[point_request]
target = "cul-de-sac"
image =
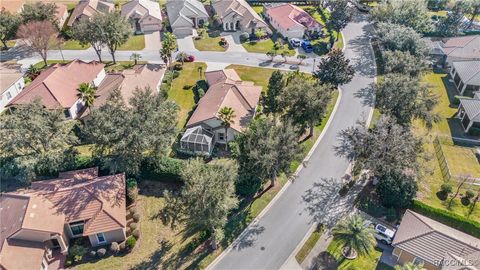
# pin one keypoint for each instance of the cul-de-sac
(240, 134)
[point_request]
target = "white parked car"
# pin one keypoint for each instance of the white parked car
(384, 234)
(295, 42)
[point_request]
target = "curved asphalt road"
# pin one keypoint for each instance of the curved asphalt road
(269, 242)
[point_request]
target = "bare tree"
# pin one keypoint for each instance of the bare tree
(40, 36)
(462, 182)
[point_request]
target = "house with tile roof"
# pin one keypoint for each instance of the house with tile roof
(469, 112)
(11, 84)
(420, 239)
(14, 7)
(144, 15)
(40, 221)
(291, 21)
(86, 9)
(465, 48)
(466, 76)
(56, 87)
(226, 89)
(238, 15)
(186, 15)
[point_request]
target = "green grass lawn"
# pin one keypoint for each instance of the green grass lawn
(308, 246)
(259, 76)
(73, 44)
(258, 9)
(134, 43)
(109, 66)
(185, 98)
(265, 46)
(207, 43)
(366, 262)
(439, 13)
(11, 43)
(460, 159)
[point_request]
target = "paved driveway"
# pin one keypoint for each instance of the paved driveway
(152, 41)
(234, 44)
(185, 44)
(313, 197)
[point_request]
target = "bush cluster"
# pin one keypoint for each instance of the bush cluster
(162, 169)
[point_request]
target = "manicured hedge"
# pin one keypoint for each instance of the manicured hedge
(448, 218)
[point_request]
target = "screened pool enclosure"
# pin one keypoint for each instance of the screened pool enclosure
(197, 141)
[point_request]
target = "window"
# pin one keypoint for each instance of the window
(77, 228)
(101, 238)
(221, 136)
(418, 261)
(19, 86)
(9, 96)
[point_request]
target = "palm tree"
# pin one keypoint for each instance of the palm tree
(301, 57)
(410, 266)
(226, 115)
(181, 56)
(86, 93)
(355, 236)
(32, 72)
(135, 57)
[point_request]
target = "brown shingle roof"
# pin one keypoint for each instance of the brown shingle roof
(288, 15)
(431, 240)
(89, 8)
(57, 86)
(227, 90)
(100, 200)
(467, 47)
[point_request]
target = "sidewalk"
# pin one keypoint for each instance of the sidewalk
(320, 246)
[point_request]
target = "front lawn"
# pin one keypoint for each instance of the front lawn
(121, 65)
(259, 76)
(308, 246)
(134, 43)
(461, 160)
(182, 92)
(73, 44)
(369, 261)
(208, 43)
(264, 46)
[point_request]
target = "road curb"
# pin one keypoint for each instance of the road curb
(284, 188)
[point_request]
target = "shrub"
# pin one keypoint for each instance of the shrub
(448, 218)
(136, 217)
(177, 67)
(133, 211)
(133, 226)
(162, 169)
(132, 194)
(101, 252)
(136, 233)
(131, 242)
(77, 252)
(131, 183)
(391, 215)
(469, 194)
(68, 262)
(93, 254)
(446, 188)
(114, 247)
(244, 36)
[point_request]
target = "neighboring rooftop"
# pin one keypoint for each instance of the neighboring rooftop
(226, 90)
(469, 71)
(9, 77)
(57, 86)
(180, 10)
(12, 6)
(288, 15)
(431, 240)
(89, 8)
(472, 107)
(152, 8)
(467, 47)
(250, 18)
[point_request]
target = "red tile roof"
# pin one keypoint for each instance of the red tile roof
(288, 15)
(57, 86)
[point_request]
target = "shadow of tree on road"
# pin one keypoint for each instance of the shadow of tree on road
(367, 95)
(249, 237)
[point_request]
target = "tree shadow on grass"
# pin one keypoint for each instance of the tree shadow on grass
(324, 261)
(155, 259)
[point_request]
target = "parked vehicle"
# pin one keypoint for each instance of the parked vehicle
(307, 47)
(384, 234)
(295, 42)
(189, 58)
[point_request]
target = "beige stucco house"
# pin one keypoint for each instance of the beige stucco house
(39, 222)
(422, 240)
(238, 15)
(144, 15)
(11, 84)
(86, 9)
(186, 15)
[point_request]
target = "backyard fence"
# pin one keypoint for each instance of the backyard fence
(444, 167)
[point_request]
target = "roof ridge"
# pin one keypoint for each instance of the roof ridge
(243, 97)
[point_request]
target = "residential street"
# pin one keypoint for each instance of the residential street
(268, 243)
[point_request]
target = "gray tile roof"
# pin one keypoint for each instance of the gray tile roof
(432, 241)
(469, 71)
(472, 108)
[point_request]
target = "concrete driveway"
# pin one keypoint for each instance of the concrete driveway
(233, 39)
(185, 44)
(153, 41)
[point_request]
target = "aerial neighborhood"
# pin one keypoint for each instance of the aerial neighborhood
(240, 134)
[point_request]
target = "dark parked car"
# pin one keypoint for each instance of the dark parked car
(307, 47)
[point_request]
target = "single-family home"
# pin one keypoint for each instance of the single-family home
(186, 15)
(469, 112)
(14, 7)
(86, 9)
(455, 49)
(127, 81)
(11, 84)
(420, 239)
(144, 15)
(291, 21)
(204, 128)
(37, 224)
(61, 14)
(56, 87)
(466, 76)
(238, 15)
